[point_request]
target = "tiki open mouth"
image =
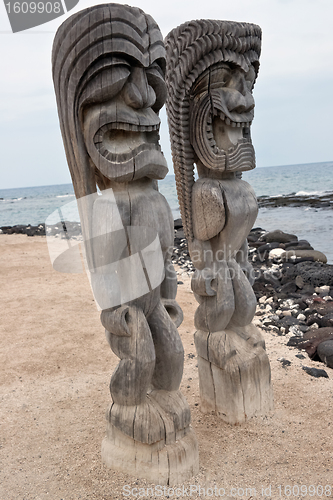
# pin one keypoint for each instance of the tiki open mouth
(225, 134)
(120, 142)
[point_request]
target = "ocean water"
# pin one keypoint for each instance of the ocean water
(34, 204)
(312, 224)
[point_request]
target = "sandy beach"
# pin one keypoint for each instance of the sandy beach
(55, 370)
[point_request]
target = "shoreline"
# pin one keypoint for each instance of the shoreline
(324, 200)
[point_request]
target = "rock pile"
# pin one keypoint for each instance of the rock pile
(324, 200)
(24, 229)
(293, 285)
(72, 228)
(181, 255)
(294, 288)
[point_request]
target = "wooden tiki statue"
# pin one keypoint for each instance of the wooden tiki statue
(108, 71)
(211, 70)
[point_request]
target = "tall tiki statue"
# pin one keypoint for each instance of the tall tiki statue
(108, 71)
(211, 70)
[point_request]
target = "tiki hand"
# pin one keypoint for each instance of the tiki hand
(204, 283)
(201, 253)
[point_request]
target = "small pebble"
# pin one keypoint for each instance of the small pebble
(285, 362)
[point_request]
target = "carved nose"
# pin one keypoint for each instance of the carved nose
(239, 98)
(137, 92)
(238, 102)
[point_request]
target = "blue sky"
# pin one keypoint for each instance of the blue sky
(293, 93)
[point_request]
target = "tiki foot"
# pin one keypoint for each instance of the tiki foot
(153, 440)
(234, 374)
(159, 463)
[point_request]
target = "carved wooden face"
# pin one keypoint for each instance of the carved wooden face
(123, 121)
(221, 116)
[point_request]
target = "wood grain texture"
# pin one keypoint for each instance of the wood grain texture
(108, 70)
(234, 374)
(164, 465)
(211, 70)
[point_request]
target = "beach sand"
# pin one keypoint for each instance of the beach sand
(55, 370)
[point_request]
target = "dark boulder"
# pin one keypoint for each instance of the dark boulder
(315, 372)
(312, 273)
(327, 320)
(320, 306)
(278, 236)
(177, 224)
(288, 321)
(313, 338)
(297, 244)
(289, 287)
(325, 352)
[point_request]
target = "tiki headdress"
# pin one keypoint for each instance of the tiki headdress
(199, 53)
(93, 53)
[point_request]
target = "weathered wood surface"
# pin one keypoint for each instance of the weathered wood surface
(172, 464)
(108, 70)
(211, 70)
(234, 373)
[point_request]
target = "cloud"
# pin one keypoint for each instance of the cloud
(292, 92)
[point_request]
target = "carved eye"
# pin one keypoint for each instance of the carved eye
(108, 82)
(214, 78)
(156, 81)
(250, 77)
(220, 77)
(201, 86)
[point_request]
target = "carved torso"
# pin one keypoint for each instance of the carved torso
(218, 207)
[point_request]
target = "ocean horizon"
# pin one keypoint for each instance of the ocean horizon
(32, 205)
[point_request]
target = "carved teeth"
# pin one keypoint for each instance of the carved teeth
(228, 121)
(128, 127)
(132, 127)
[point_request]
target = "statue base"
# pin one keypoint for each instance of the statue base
(159, 463)
(234, 374)
(152, 441)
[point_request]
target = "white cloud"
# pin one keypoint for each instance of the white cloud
(293, 94)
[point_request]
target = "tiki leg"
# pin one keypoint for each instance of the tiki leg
(134, 346)
(169, 350)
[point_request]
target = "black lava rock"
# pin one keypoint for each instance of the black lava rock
(326, 320)
(325, 352)
(177, 224)
(315, 372)
(312, 273)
